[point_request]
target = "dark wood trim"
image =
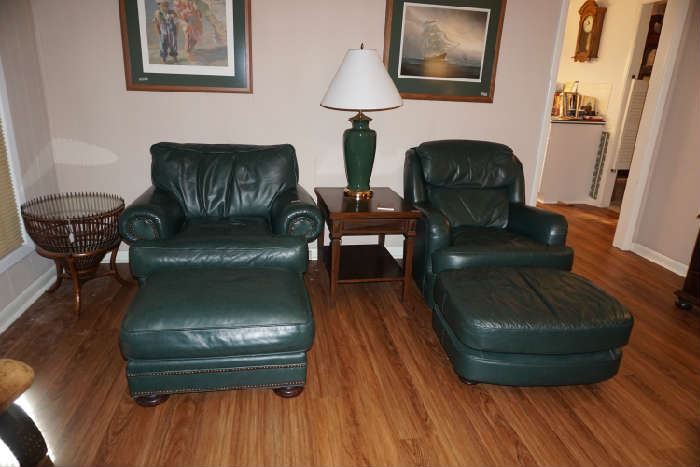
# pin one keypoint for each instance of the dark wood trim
(389, 11)
(689, 295)
(131, 86)
(388, 14)
(497, 50)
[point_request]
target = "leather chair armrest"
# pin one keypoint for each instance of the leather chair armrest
(547, 228)
(294, 212)
(436, 227)
(155, 215)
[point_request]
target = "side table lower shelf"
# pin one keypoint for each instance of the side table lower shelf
(364, 263)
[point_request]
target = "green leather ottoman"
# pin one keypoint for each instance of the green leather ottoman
(193, 330)
(528, 326)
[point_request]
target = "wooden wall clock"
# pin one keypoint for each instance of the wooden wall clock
(590, 26)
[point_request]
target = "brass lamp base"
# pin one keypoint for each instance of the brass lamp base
(357, 195)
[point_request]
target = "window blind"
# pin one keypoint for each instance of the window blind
(10, 230)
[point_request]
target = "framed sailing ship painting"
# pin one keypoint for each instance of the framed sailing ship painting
(443, 50)
(186, 45)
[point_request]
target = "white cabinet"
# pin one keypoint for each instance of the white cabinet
(570, 162)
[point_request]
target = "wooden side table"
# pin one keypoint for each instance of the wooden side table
(386, 213)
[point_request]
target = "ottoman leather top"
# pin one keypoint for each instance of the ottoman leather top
(530, 310)
(195, 313)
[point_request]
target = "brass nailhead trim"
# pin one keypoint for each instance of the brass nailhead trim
(219, 370)
(220, 388)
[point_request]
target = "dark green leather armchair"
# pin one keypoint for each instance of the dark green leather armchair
(221, 205)
(472, 197)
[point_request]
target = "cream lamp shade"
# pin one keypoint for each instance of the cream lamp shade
(361, 83)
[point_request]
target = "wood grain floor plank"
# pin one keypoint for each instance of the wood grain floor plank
(380, 389)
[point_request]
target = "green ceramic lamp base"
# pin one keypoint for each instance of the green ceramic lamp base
(359, 145)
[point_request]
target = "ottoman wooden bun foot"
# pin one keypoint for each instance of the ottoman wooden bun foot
(288, 392)
(151, 400)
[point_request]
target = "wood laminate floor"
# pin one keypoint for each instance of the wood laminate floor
(380, 388)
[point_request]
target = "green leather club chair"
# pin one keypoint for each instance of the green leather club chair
(221, 205)
(219, 246)
(471, 194)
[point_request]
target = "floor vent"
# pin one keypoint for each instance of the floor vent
(599, 163)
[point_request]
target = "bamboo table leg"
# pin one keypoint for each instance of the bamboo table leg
(66, 267)
(76, 283)
(59, 277)
(113, 266)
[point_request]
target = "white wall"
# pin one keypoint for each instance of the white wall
(27, 109)
(605, 77)
(101, 133)
(668, 225)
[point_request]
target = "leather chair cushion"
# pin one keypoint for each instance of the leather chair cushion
(530, 310)
(223, 229)
(203, 313)
(207, 245)
(467, 163)
(222, 180)
(476, 247)
(486, 207)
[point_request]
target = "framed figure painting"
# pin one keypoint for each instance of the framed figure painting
(443, 49)
(186, 45)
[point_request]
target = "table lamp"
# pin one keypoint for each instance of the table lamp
(360, 84)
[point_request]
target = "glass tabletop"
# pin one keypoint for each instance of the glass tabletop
(64, 206)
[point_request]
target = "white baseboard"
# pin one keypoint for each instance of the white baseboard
(122, 257)
(588, 201)
(395, 251)
(655, 257)
(25, 299)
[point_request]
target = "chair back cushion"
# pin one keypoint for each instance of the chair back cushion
(471, 182)
(224, 180)
(472, 207)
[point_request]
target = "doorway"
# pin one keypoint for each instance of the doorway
(647, 43)
(597, 105)
(623, 46)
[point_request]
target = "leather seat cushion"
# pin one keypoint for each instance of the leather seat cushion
(202, 313)
(224, 228)
(479, 246)
(217, 250)
(530, 310)
(487, 207)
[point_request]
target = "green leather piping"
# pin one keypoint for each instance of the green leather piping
(219, 388)
(226, 247)
(219, 328)
(219, 370)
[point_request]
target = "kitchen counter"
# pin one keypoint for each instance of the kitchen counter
(570, 162)
(578, 121)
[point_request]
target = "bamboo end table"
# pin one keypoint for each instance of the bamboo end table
(76, 231)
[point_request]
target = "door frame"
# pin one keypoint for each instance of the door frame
(676, 23)
(670, 43)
